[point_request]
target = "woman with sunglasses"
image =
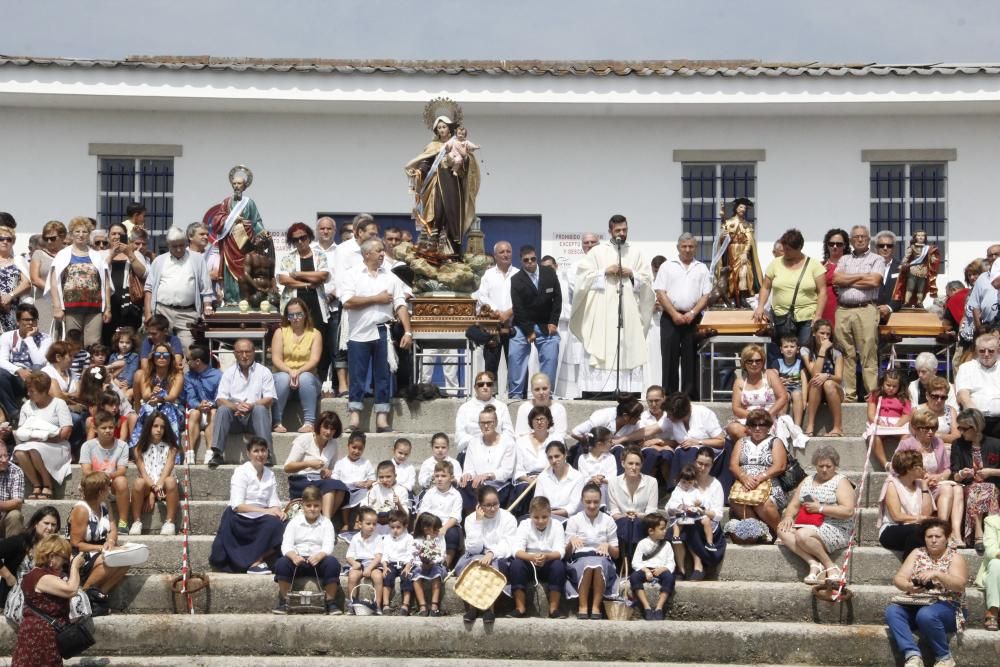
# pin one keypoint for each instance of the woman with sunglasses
(975, 464)
(834, 245)
(124, 263)
(14, 281)
(756, 387)
(53, 239)
(160, 390)
(467, 417)
(938, 392)
(757, 458)
(304, 273)
(295, 353)
(937, 469)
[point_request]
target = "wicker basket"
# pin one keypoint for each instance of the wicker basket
(480, 585)
(618, 610)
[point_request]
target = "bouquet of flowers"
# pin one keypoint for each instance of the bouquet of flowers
(428, 552)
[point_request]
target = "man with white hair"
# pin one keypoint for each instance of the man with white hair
(178, 286)
(978, 382)
(494, 291)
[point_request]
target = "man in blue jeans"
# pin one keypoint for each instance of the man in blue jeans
(536, 299)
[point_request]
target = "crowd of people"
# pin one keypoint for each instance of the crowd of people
(636, 490)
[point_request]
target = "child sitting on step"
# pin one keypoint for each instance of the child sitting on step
(445, 502)
(395, 551)
(307, 551)
(386, 496)
(653, 561)
(363, 557)
(356, 473)
(439, 452)
(155, 453)
(427, 563)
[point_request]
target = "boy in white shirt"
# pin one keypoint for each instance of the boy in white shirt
(396, 551)
(406, 474)
(653, 560)
(307, 548)
(439, 452)
(445, 502)
(387, 496)
(356, 473)
(538, 550)
(363, 557)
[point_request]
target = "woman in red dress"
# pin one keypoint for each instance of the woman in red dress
(45, 590)
(834, 244)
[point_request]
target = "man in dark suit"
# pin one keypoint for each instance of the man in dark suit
(885, 246)
(536, 299)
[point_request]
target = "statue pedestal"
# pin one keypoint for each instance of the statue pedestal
(913, 322)
(736, 322)
(228, 326)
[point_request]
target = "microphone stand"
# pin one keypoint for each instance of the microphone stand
(621, 323)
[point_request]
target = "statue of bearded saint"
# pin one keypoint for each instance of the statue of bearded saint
(735, 264)
(233, 227)
(917, 272)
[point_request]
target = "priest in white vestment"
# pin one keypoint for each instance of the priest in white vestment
(594, 319)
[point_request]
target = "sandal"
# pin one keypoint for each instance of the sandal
(46, 493)
(815, 570)
(36, 493)
(835, 434)
(834, 574)
(990, 622)
(809, 434)
(279, 428)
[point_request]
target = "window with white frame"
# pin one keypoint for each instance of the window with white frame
(148, 180)
(706, 187)
(908, 197)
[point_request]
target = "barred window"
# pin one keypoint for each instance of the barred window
(909, 197)
(706, 187)
(150, 181)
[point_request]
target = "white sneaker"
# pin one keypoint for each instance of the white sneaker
(168, 528)
(136, 528)
(190, 458)
(945, 662)
(914, 661)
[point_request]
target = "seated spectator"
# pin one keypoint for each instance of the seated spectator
(631, 496)
(295, 352)
(541, 397)
(439, 452)
(251, 529)
(80, 355)
(652, 431)
(467, 417)
(621, 421)
(819, 517)
(932, 567)
(17, 551)
(653, 560)
(363, 558)
(11, 495)
(357, 475)
(904, 503)
(91, 533)
(60, 360)
(692, 536)
(489, 461)
(307, 544)
(759, 458)
(529, 455)
(889, 413)
(591, 547)
(155, 453)
(386, 496)
(988, 577)
(561, 483)
(110, 402)
(396, 553)
(937, 472)
(22, 350)
(539, 545)
(938, 391)
(756, 387)
(427, 560)
(201, 387)
(106, 453)
(975, 464)
(243, 401)
(43, 452)
(825, 371)
(124, 359)
(406, 474)
(161, 390)
(978, 383)
(311, 460)
(158, 332)
(926, 366)
(490, 537)
(445, 502)
(599, 466)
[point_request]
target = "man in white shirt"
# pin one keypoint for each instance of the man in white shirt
(21, 351)
(978, 382)
(372, 295)
(178, 287)
(682, 287)
(494, 291)
(347, 257)
(243, 402)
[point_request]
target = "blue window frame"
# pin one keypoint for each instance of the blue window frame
(705, 188)
(908, 197)
(121, 181)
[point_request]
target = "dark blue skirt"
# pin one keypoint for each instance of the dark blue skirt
(298, 483)
(241, 541)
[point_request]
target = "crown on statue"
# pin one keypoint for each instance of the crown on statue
(442, 106)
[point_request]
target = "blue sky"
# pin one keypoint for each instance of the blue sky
(888, 31)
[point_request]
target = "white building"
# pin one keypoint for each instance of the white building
(566, 144)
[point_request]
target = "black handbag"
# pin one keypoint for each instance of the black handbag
(793, 475)
(71, 638)
(785, 325)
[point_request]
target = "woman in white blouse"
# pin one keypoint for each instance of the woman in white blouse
(311, 459)
(467, 417)
(252, 526)
(561, 483)
(489, 538)
(529, 455)
(489, 461)
(631, 496)
(591, 547)
(692, 536)
(541, 397)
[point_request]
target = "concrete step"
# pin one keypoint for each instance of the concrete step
(690, 642)
(692, 601)
(368, 661)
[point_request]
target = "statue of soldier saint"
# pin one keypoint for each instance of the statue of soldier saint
(233, 227)
(444, 188)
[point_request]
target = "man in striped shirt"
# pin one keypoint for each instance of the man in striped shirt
(858, 278)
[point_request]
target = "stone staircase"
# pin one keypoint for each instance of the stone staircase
(772, 617)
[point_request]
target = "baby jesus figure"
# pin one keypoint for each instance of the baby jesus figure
(458, 149)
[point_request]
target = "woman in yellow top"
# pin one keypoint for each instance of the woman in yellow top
(780, 279)
(295, 351)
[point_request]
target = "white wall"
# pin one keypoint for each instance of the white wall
(574, 171)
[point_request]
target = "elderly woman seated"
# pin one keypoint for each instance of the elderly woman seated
(988, 577)
(819, 517)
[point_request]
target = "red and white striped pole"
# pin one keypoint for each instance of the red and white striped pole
(186, 525)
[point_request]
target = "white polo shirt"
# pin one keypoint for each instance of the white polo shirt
(683, 283)
(982, 383)
(363, 325)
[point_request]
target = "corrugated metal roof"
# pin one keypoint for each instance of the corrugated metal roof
(581, 68)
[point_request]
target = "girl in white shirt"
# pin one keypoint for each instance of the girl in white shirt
(427, 563)
(598, 465)
(631, 496)
(653, 561)
(406, 475)
(489, 538)
(311, 462)
(307, 548)
(561, 483)
(251, 529)
(356, 473)
(591, 546)
(439, 452)
(538, 551)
